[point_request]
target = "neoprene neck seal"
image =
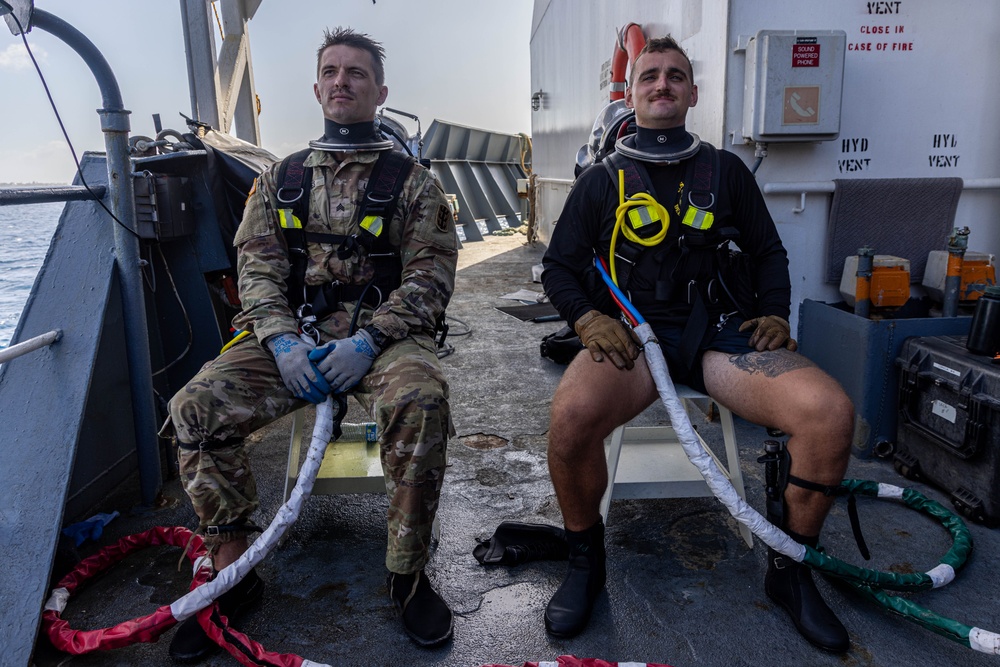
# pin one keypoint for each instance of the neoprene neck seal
(351, 137)
(659, 146)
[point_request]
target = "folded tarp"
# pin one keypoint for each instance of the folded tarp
(903, 217)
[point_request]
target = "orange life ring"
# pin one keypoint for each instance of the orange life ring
(627, 47)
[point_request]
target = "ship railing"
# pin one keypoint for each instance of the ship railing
(47, 194)
(30, 345)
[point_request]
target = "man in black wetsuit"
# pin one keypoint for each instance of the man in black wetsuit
(740, 352)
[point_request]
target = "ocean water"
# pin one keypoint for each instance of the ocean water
(25, 232)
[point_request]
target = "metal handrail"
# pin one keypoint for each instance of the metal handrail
(44, 195)
(829, 187)
(30, 345)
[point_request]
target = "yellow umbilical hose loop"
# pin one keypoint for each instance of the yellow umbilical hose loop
(642, 199)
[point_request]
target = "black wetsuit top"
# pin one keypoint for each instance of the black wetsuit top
(587, 221)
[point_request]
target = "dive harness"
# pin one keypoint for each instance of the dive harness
(313, 302)
(310, 303)
(643, 222)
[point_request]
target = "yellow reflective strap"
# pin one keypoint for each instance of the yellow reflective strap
(642, 216)
(698, 218)
(288, 220)
(372, 224)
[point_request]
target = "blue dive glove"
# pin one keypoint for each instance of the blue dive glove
(344, 362)
(299, 374)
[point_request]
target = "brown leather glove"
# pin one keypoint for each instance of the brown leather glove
(770, 333)
(605, 335)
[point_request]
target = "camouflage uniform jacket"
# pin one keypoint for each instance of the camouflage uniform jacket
(422, 229)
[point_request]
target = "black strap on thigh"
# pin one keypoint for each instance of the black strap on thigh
(209, 445)
(852, 508)
(777, 464)
(245, 527)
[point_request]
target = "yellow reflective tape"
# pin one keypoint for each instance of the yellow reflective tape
(642, 216)
(698, 218)
(288, 220)
(373, 224)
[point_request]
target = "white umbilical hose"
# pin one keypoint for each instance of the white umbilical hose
(714, 477)
(204, 595)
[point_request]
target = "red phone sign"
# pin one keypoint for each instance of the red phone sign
(805, 55)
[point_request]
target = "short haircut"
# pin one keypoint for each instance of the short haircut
(357, 40)
(659, 45)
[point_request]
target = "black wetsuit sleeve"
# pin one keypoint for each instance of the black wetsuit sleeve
(758, 238)
(585, 223)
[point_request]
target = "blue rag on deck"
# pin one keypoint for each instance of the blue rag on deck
(91, 528)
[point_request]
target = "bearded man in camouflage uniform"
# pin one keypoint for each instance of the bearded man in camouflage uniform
(389, 364)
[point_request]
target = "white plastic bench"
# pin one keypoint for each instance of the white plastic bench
(649, 462)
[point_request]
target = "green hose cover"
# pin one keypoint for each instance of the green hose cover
(922, 616)
(896, 581)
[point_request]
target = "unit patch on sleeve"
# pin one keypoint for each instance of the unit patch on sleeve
(253, 189)
(444, 215)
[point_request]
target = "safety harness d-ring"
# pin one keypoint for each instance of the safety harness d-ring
(144, 629)
(279, 195)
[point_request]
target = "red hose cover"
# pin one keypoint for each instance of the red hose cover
(573, 661)
(245, 650)
(145, 629)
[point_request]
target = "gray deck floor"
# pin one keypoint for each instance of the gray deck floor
(683, 588)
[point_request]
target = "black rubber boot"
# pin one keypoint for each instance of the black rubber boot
(514, 543)
(190, 644)
(790, 585)
(569, 609)
(426, 617)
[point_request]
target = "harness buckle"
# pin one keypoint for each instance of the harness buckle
(307, 319)
(723, 318)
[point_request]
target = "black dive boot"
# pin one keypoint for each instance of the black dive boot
(569, 609)
(426, 617)
(190, 644)
(790, 585)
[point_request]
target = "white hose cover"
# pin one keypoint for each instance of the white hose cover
(201, 597)
(941, 575)
(984, 641)
(57, 600)
(890, 491)
(716, 479)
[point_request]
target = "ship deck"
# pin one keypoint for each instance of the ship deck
(683, 588)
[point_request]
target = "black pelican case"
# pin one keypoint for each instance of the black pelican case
(949, 423)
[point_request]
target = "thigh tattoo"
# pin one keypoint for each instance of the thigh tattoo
(771, 363)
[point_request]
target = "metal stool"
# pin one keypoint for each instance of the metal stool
(649, 462)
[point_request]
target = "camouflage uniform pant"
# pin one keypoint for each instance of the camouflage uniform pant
(241, 390)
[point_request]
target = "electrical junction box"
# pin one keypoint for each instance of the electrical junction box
(794, 85)
(890, 281)
(978, 273)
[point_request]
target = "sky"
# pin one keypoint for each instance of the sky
(457, 60)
